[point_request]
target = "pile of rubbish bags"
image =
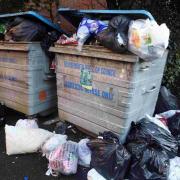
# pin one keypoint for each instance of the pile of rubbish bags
(142, 37)
(151, 150)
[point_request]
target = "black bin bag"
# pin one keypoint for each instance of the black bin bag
(151, 164)
(166, 101)
(151, 147)
(118, 27)
(174, 127)
(109, 157)
(146, 133)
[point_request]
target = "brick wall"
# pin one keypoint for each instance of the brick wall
(84, 4)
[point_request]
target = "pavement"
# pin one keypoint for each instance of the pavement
(34, 166)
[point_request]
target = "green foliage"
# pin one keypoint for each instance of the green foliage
(172, 74)
(2, 28)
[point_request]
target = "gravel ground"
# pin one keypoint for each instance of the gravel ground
(16, 167)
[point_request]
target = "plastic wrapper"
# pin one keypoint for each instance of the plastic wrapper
(24, 140)
(174, 170)
(52, 143)
(27, 123)
(84, 153)
(109, 157)
(65, 40)
(87, 28)
(64, 159)
(94, 175)
(147, 39)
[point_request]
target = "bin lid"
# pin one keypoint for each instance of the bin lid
(74, 16)
(34, 15)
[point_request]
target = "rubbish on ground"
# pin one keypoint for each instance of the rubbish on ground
(52, 121)
(61, 127)
(94, 175)
(84, 153)
(174, 170)
(52, 143)
(27, 123)
(147, 39)
(65, 40)
(24, 140)
(64, 159)
(109, 157)
(150, 163)
(166, 101)
(87, 28)
(65, 128)
(163, 117)
(150, 133)
(159, 121)
(115, 37)
(151, 145)
(168, 114)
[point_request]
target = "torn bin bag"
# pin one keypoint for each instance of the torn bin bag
(110, 159)
(149, 134)
(115, 37)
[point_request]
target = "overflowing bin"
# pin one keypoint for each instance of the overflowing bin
(24, 68)
(99, 90)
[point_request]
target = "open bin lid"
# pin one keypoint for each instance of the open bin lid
(74, 16)
(33, 16)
